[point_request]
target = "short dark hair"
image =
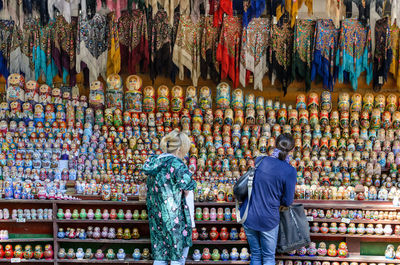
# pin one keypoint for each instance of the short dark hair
(285, 144)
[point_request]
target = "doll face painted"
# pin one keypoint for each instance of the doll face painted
(44, 89)
(114, 81)
(32, 86)
(148, 91)
(96, 85)
(177, 92)
(16, 80)
(133, 82)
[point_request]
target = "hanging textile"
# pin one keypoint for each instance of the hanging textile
(363, 6)
(67, 8)
(282, 50)
(336, 11)
(293, 7)
(6, 32)
(42, 53)
(64, 49)
(161, 42)
(303, 50)
(395, 14)
(209, 67)
(324, 58)
(276, 8)
(195, 6)
(134, 41)
(113, 6)
(169, 6)
(252, 9)
(228, 51)
(186, 51)
(92, 45)
(395, 43)
(15, 11)
(255, 48)
(354, 52)
(221, 7)
(383, 52)
(114, 54)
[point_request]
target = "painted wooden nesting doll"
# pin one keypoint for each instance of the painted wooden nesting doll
(375, 119)
(260, 103)
(149, 102)
(32, 92)
(344, 102)
(96, 95)
(205, 99)
(15, 88)
(380, 102)
(191, 102)
(301, 101)
(133, 94)
(114, 92)
(238, 100)
(44, 94)
(396, 120)
(391, 103)
(163, 99)
(313, 101)
(223, 100)
(250, 101)
(356, 103)
(326, 101)
(293, 117)
(368, 102)
(177, 99)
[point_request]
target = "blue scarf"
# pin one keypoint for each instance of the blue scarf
(275, 154)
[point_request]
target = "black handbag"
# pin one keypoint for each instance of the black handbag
(294, 230)
(242, 190)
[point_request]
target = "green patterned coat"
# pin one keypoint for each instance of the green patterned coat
(169, 217)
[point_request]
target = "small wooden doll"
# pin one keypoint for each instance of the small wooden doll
(15, 88)
(237, 99)
(32, 92)
(56, 96)
(368, 102)
(326, 101)
(114, 92)
(96, 95)
(191, 99)
(177, 99)
(163, 99)
(149, 103)
(133, 94)
(301, 101)
(249, 101)
(223, 96)
(205, 100)
(356, 103)
(344, 102)
(44, 94)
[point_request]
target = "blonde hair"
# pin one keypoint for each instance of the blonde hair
(175, 140)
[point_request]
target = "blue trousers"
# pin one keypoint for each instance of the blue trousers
(174, 262)
(262, 245)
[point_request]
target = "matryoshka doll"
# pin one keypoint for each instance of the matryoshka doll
(133, 94)
(223, 96)
(379, 103)
(44, 94)
(238, 100)
(293, 117)
(114, 92)
(38, 115)
(32, 92)
(326, 101)
(149, 103)
(191, 99)
(163, 99)
(386, 120)
(313, 101)
(249, 101)
(15, 111)
(205, 100)
(391, 103)
(56, 96)
(344, 102)
(27, 112)
(368, 102)
(15, 88)
(96, 95)
(364, 119)
(375, 119)
(177, 99)
(356, 103)
(301, 101)
(396, 120)
(260, 104)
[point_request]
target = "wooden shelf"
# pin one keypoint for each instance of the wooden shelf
(356, 221)
(131, 261)
(24, 240)
(100, 202)
(100, 241)
(350, 258)
(340, 204)
(2, 261)
(214, 204)
(220, 242)
(79, 221)
(364, 237)
(26, 221)
(217, 223)
(28, 201)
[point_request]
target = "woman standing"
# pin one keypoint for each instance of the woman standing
(168, 178)
(274, 186)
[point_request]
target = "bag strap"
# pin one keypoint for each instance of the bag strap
(242, 219)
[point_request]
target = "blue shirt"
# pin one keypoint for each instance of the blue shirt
(274, 185)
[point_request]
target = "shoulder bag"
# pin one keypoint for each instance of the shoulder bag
(242, 191)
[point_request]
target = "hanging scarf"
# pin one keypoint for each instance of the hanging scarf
(282, 50)
(325, 41)
(395, 45)
(114, 53)
(275, 154)
(223, 6)
(255, 50)
(252, 9)
(293, 7)
(302, 50)
(383, 52)
(354, 52)
(208, 61)
(6, 33)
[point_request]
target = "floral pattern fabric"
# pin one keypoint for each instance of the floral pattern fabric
(383, 52)
(395, 45)
(302, 50)
(354, 51)
(324, 58)
(169, 217)
(6, 30)
(255, 47)
(208, 62)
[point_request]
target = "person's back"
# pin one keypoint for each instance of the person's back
(273, 186)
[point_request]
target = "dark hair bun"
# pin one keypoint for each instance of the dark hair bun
(285, 143)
